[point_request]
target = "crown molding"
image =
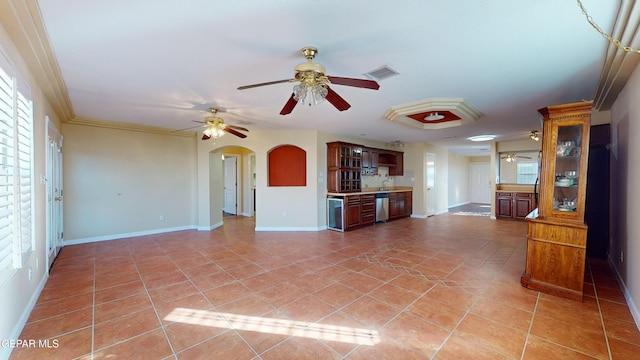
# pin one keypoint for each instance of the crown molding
(23, 21)
(129, 127)
(619, 64)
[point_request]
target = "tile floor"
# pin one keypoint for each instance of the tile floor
(446, 287)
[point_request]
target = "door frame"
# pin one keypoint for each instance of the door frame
(54, 192)
(235, 184)
(430, 203)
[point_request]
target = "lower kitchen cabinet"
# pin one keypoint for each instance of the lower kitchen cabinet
(400, 204)
(352, 212)
(367, 209)
(360, 210)
(513, 205)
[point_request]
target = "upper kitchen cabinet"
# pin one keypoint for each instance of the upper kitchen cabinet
(557, 236)
(394, 160)
(347, 163)
(344, 162)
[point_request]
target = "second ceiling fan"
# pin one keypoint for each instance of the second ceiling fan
(314, 84)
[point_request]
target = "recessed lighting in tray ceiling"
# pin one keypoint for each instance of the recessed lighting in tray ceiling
(434, 114)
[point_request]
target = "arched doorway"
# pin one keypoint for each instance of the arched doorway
(231, 193)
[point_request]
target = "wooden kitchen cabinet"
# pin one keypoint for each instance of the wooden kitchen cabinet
(400, 204)
(360, 210)
(557, 236)
(367, 209)
(347, 163)
(504, 205)
(522, 205)
(344, 162)
(394, 160)
(352, 212)
(513, 205)
(369, 161)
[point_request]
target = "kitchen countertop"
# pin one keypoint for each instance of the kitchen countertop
(374, 191)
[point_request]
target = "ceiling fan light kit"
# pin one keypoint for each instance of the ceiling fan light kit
(313, 87)
(215, 127)
(534, 136)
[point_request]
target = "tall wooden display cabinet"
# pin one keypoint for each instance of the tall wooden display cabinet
(557, 236)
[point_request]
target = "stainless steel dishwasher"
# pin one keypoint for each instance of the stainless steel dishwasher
(382, 207)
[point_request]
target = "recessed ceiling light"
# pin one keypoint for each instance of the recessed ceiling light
(482, 138)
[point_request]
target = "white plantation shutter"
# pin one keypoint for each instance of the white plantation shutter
(24, 158)
(6, 172)
(16, 171)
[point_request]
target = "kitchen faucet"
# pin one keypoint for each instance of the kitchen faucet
(384, 186)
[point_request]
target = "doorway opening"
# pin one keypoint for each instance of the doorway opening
(231, 183)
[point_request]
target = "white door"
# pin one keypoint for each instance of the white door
(430, 182)
(230, 184)
(54, 192)
(480, 183)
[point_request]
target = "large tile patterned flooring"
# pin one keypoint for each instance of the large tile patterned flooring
(446, 287)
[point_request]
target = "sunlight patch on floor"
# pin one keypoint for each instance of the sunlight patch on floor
(274, 326)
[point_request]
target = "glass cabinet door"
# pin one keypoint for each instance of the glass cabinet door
(567, 168)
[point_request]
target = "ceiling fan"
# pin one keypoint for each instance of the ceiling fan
(514, 157)
(215, 126)
(314, 84)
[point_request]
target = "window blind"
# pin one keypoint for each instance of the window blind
(6, 171)
(24, 159)
(16, 170)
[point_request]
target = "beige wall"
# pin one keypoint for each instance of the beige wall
(625, 197)
(120, 183)
(19, 293)
(458, 180)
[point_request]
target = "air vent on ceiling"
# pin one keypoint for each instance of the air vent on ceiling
(382, 73)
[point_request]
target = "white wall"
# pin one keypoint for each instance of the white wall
(625, 196)
(119, 183)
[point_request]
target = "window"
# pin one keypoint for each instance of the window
(527, 172)
(16, 174)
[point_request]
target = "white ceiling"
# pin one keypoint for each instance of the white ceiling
(163, 63)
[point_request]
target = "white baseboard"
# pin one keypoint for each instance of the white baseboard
(277, 228)
(125, 235)
(627, 295)
(209, 228)
(416, 216)
(5, 352)
(460, 204)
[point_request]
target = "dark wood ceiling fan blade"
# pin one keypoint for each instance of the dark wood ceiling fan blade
(360, 83)
(205, 137)
(336, 100)
(236, 127)
(236, 133)
(263, 84)
(288, 107)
